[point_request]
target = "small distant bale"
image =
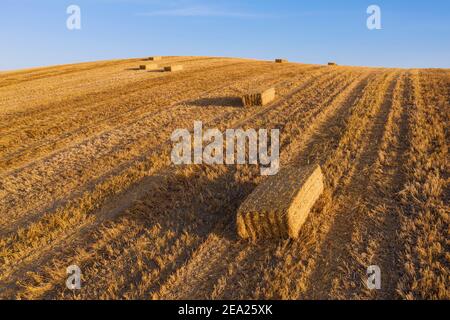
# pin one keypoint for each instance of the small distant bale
(332, 63)
(281, 61)
(259, 98)
(155, 58)
(173, 68)
(150, 66)
(278, 207)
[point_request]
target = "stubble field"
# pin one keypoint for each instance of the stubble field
(86, 179)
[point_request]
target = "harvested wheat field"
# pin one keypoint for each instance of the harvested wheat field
(87, 180)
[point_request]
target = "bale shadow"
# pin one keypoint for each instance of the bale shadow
(175, 205)
(139, 69)
(173, 201)
(228, 101)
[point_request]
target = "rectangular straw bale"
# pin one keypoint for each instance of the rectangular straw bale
(332, 63)
(150, 66)
(279, 206)
(259, 98)
(155, 58)
(173, 68)
(281, 61)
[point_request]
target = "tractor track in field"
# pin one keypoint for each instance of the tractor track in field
(378, 214)
(329, 268)
(57, 117)
(423, 214)
(10, 78)
(296, 259)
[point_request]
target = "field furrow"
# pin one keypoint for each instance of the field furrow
(312, 259)
(424, 214)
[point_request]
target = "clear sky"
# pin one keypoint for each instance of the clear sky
(414, 33)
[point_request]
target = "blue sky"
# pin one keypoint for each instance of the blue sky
(414, 33)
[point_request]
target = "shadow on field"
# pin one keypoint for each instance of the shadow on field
(188, 208)
(201, 201)
(229, 101)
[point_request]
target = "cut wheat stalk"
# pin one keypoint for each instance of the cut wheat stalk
(151, 66)
(173, 68)
(259, 98)
(278, 207)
